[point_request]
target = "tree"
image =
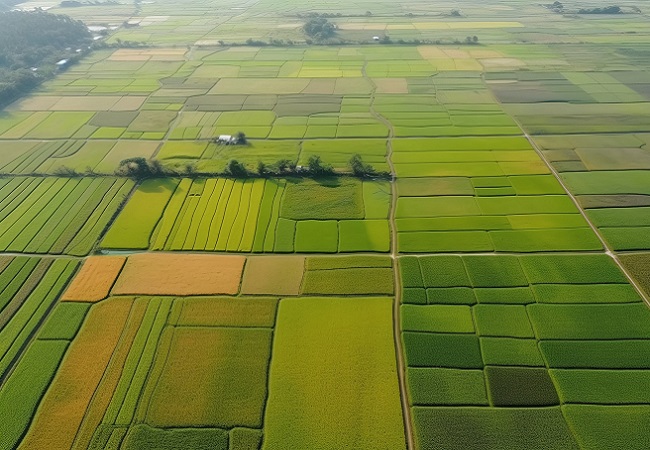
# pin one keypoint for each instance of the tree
(262, 169)
(282, 165)
(236, 169)
(359, 168)
(190, 169)
(240, 138)
(455, 13)
(136, 167)
(319, 28)
(317, 167)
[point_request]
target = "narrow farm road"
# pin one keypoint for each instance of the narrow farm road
(401, 364)
(556, 174)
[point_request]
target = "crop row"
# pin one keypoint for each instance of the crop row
(254, 215)
(57, 215)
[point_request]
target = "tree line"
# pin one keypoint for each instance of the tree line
(139, 168)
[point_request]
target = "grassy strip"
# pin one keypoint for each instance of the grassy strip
(269, 241)
(171, 214)
(456, 428)
(127, 411)
(24, 202)
(203, 232)
(216, 223)
(27, 212)
(65, 321)
(199, 213)
(144, 437)
(252, 219)
(237, 229)
(230, 215)
(20, 191)
(347, 262)
(265, 213)
(131, 363)
(355, 281)
(619, 354)
(184, 219)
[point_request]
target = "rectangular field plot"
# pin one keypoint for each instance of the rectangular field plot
(528, 213)
(255, 215)
(521, 332)
(311, 407)
(57, 215)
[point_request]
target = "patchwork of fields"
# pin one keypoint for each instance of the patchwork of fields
(537, 351)
(489, 289)
(256, 215)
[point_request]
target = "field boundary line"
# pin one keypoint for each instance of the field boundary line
(608, 250)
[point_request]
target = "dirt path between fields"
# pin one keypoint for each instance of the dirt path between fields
(401, 364)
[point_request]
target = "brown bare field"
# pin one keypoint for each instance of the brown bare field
(275, 275)
(95, 279)
(65, 403)
(168, 274)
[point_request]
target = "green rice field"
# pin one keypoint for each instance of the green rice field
(479, 280)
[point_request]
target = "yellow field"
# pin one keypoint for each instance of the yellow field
(166, 274)
(95, 279)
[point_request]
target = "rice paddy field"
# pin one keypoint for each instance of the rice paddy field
(489, 290)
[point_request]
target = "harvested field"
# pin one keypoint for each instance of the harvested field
(168, 274)
(95, 279)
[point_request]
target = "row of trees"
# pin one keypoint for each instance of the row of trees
(139, 168)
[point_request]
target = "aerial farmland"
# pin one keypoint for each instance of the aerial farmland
(304, 225)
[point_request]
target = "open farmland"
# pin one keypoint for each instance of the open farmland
(178, 270)
(499, 341)
(255, 215)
